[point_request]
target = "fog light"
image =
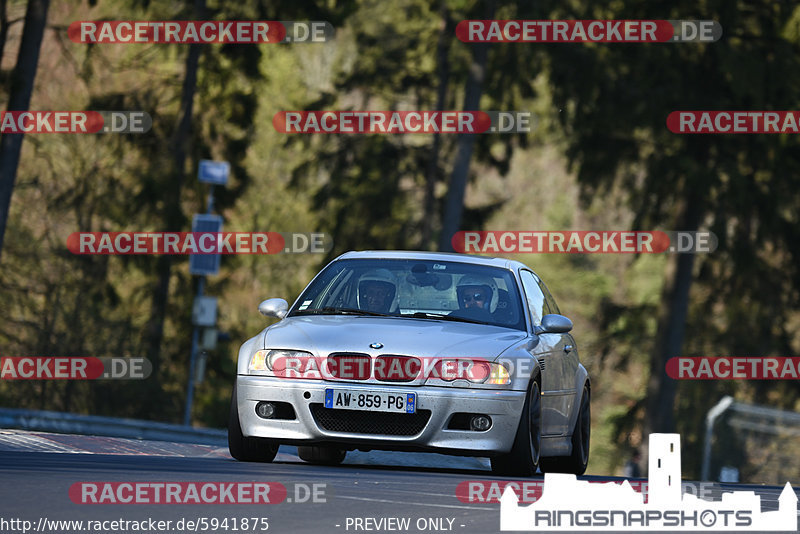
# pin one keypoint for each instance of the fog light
(265, 410)
(480, 423)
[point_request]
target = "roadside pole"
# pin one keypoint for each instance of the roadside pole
(204, 310)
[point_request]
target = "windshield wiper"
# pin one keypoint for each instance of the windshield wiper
(443, 317)
(331, 310)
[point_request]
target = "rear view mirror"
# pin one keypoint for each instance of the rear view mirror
(445, 281)
(552, 323)
(274, 308)
(421, 277)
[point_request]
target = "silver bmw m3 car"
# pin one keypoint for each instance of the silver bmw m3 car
(416, 351)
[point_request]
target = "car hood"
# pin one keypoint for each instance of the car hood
(426, 338)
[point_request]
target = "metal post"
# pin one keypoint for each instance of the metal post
(187, 415)
(201, 285)
(711, 417)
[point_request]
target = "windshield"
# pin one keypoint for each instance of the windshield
(423, 289)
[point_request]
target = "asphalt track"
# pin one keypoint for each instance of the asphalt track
(37, 470)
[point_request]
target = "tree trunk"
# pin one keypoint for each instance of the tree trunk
(3, 27)
(21, 88)
(432, 168)
(173, 216)
(454, 207)
(661, 389)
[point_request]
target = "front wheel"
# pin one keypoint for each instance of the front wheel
(576, 462)
(243, 448)
(524, 456)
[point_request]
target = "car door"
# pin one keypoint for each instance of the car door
(550, 352)
(566, 355)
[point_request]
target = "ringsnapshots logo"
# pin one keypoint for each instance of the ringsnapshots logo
(568, 504)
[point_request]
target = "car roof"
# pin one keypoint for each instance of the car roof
(440, 256)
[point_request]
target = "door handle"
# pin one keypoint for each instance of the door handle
(568, 348)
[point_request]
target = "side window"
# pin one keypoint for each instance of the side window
(534, 296)
(549, 301)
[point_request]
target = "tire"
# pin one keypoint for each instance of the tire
(243, 448)
(523, 459)
(320, 455)
(576, 462)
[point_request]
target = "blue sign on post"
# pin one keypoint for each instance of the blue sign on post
(205, 264)
(213, 172)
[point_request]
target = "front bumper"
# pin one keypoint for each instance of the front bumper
(503, 406)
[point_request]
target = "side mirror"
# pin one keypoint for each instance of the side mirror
(552, 323)
(274, 308)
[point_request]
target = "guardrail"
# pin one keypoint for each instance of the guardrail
(769, 421)
(95, 425)
(67, 423)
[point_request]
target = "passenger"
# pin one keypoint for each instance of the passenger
(477, 297)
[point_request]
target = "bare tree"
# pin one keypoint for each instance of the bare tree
(173, 216)
(454, 207)
(432, 167)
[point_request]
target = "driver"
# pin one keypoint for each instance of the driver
(477, 296)
(377, 291)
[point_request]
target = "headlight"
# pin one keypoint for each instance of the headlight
(498, 375)
(446, 370)
(276, 359)
(475, 371)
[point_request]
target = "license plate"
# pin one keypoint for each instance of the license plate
(372, 401)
